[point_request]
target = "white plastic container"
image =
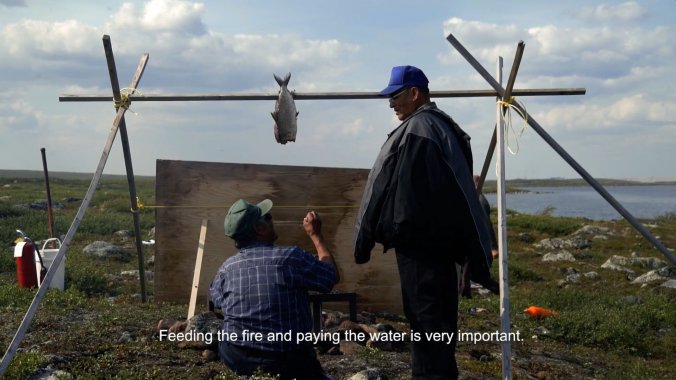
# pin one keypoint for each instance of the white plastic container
(48, 256)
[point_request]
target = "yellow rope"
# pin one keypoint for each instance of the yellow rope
(125, 99)
(508, 122)
(140, 206)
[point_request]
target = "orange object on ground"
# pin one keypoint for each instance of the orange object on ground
(539, 312)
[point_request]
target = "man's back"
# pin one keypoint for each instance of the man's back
(264, 288)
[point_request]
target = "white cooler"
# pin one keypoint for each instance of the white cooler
(48, 256)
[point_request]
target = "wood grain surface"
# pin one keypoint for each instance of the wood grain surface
(192, 191)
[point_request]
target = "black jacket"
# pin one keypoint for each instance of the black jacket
(420, 194)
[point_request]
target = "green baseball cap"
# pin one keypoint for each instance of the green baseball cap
(241, 216)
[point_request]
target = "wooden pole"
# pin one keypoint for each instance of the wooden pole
(562, 152)
(198, 269)
(320, 96)
(112, 70)
(50, 212)
(32, 309)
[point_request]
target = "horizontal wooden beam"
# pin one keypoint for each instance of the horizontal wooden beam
(321, 96)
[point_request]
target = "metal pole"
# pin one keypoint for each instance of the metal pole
(502, 235)
(567, 157)
(50, 213)
(127, 163)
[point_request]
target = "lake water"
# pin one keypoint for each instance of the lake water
(647, 201)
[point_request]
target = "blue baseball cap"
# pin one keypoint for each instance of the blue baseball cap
(404, 76)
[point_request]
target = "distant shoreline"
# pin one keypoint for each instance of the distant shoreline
(489, 187)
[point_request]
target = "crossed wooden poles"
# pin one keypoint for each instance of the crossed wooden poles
(118, 124)
(504, 93)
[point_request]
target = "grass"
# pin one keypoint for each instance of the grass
(598, 332)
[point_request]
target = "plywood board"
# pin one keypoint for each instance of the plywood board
(193, 191)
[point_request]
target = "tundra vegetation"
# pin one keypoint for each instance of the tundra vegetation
(607, 327)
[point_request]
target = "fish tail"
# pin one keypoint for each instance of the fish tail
(282, 82)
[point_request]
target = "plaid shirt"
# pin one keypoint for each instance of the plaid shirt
(264, 289)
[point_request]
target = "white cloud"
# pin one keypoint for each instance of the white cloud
(625, 69)
(34, 39)
(625, 114)
(173, 16)
(628, 11)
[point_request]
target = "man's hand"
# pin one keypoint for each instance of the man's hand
(312, 224)
(313, 228)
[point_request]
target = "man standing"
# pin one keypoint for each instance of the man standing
(420, 200)
(263, 293)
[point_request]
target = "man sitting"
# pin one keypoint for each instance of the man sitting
(263, 293)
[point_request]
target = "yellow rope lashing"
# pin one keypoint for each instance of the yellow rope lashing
(125, 99)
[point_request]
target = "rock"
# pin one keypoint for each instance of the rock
(592, 230)
(617, 268)
(542, 375)
(368, 329)
(600, 237)
(349, 325)
(135, 273)
(125, 338)
(369, 374)
(349, 347)
(671, 284)
(563, 255)
(573, 278)
(123, 234)
(332, 320)
(165, 324)
(366, 317)
(541, 330)
(381, 345)
(104, 250)
(392, 316)
(209, 355)
(576, 242)
(178, 327)
(656, 275)
(632, 300)
(525, 238)
(591, 275)
(51, 373)
(42, 204)
(205, 323)
(644, 262)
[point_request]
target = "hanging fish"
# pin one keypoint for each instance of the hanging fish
(540, 312)
(285, 114)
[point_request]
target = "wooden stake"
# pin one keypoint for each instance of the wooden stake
(198, 269)
(112, 70)
(50, 212)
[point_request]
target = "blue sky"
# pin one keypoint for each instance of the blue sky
(623, 53)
